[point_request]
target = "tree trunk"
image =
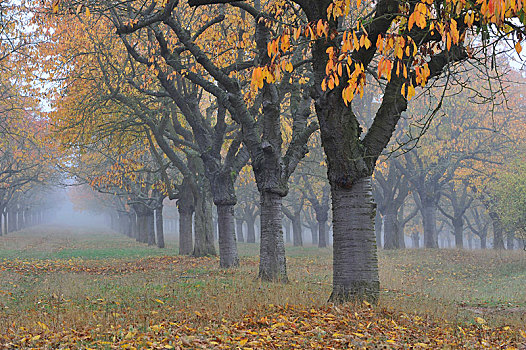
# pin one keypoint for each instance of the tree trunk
(322, 234)
(483, 244)
(287, 230)
(204, 236)
(251, 231)
(378, 229)
(159, 225)
(415, 239)
(458, 227)
(390, 231)
(314, 232)
(297, 237)
(150, 227)
(510, 241)
(11, 220)
(4, 214)
(185, 230)
(272, 263)
(355, 263)
(429, 219)
(142, 223)
(239, 230)
(227, 236)
(498, 239)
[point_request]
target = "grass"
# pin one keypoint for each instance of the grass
(69, 279)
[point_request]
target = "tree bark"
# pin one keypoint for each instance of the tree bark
(287, 230)
(415, 239)
(314, 232)
(391, 231)
(185, 229)
(251, 231)
(429, 220)
(297, 234)
(498, 239)
(483, 244)
(272, 263)
(322, 234)
(159, 225)
(142, 221)
(355, 263)
(239, 230)
(150, 227)
(227, 236)
(458, 227)
(204, 236)
(510, 241)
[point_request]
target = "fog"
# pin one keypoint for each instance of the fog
(64, 213)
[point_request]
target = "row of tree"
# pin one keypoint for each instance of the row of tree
(159, 99)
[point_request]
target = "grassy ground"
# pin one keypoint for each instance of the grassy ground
(63, 288)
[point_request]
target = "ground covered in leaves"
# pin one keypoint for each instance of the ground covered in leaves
(61, 288)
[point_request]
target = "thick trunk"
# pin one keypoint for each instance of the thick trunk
(227, 236)
(313, 226)
(378, 229)
(142, 223)
(391, 231)
(239, 230)
(415, 239)
(159, 225)
(272, 263)
(185, 230)
(458, 227)
(297, 236)
(11, 220)
(322, 234)
(400, 228)
(287, 231)
(498, 239)
(150, 227)
(429, 219)
(133, 224)
(483, 244)
(251, 231)
(510, 241)
(204, 236)
(355, 263)
(4, 214)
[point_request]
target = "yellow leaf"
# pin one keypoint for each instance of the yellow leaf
(480, 320)
(243, 341)
(88, 13)
(159, 301)
(518, 47)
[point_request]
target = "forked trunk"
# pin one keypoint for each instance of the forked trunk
(272, 263)
(159, 225)
(429, 219)
(185, 230)
(227, 236)
(390, 231)
(239, 230)
(322, 234)
(355, 263)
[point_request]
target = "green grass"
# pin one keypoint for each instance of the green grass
(84, 279)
